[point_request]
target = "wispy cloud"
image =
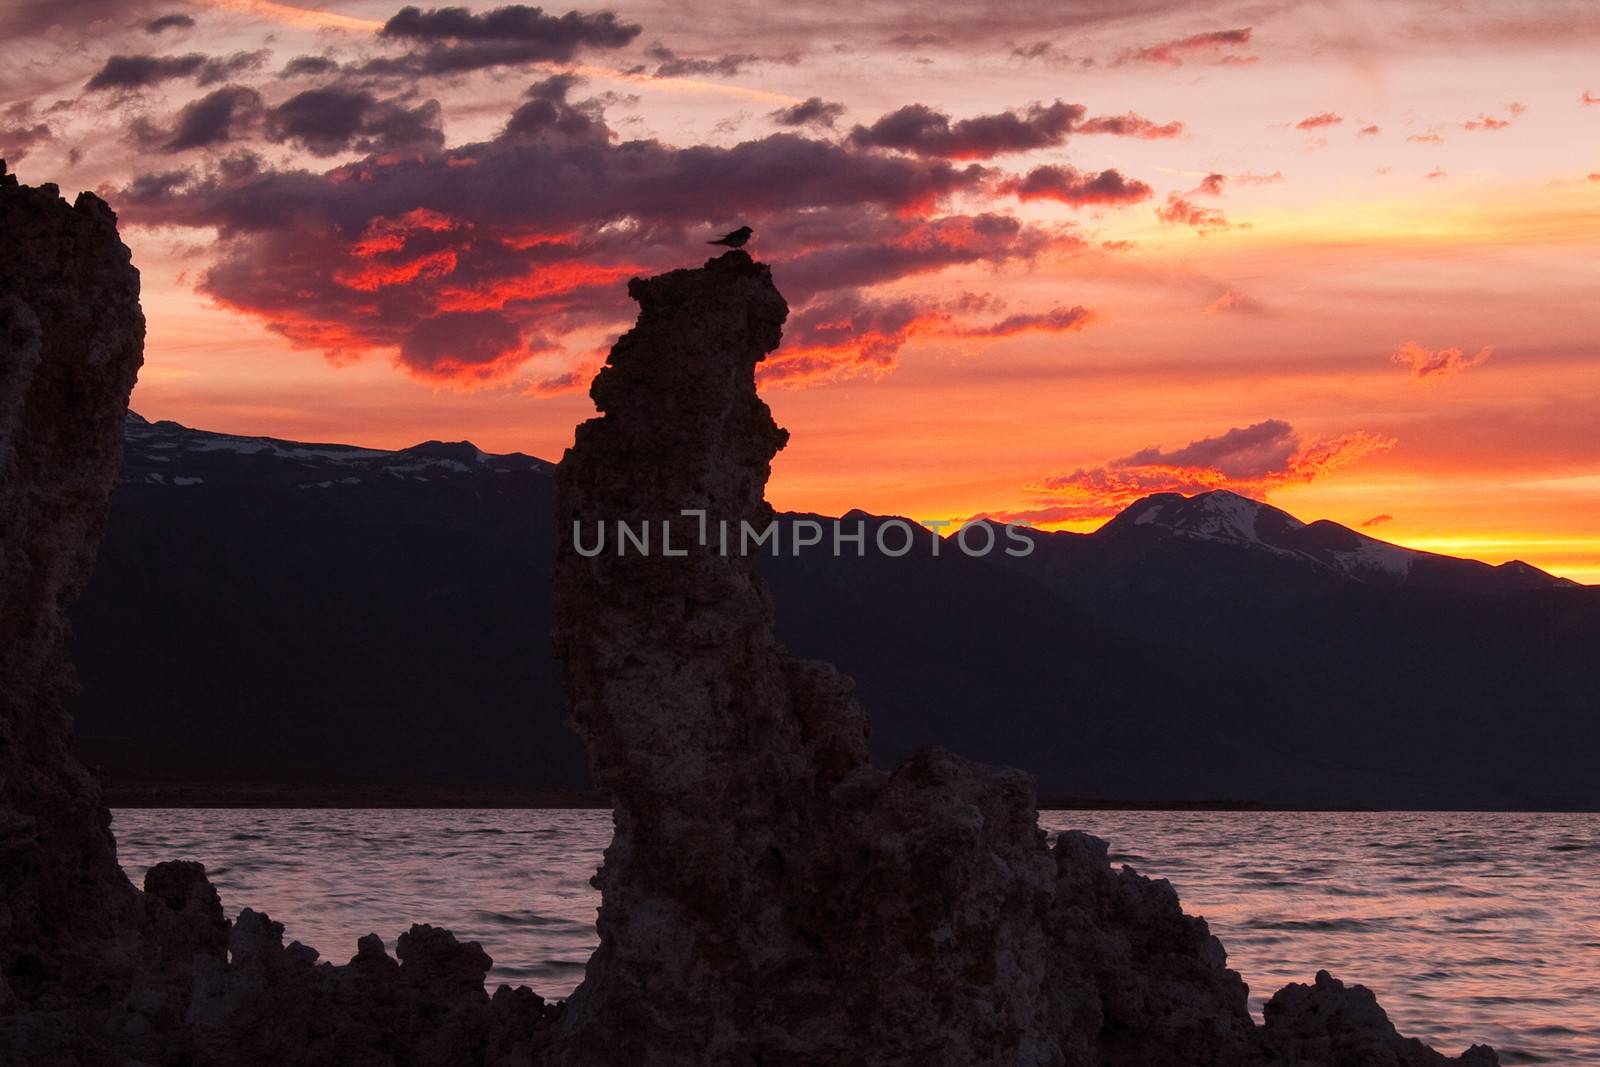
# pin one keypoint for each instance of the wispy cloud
(1427, 365)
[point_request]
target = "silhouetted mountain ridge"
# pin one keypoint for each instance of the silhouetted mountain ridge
(267, 608)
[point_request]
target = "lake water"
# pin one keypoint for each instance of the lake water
(1470, 927)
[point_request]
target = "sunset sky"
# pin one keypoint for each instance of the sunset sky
(1042, 258)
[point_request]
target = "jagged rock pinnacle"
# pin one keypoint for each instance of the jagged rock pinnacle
(772, 898)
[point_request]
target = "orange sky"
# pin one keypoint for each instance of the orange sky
(1398, 181)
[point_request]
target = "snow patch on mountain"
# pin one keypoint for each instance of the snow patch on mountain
(191, 457)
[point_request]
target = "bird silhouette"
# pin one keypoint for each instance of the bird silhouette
(736, 239)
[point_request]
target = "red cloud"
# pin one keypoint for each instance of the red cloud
(1250, 178)
(1425, 138)
(1071, 186)
(460, 264)
(1250, 460)
(1234, 303)
(1589, 98)
(848, 335)
(1209, 47)
(1181, 212)
(1488, 122)
(1317, 122)
(1368, 131)
(1056, 320)
(1131, 125)
(1377, 520)
(1428, 365)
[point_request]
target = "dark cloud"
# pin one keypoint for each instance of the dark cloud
(215, 119)
(142, 72)
(514, 22)
(169, 22)
(308, 66)
(1318, 122)
(546, 113)
(848, 334)
(543, 224)
(1377, 520)
(17, 141)
(1077, 188)
(813, 111)
(918, 40)
(155, 186)
(458, 41)
(845, 335)
(851, 248)
(1215, 47)
(670, 64)
(331, 120)
(1211, 185)
(1247, 453)
(923, 131)
(456, 345)
(138, 72)
(919, 129)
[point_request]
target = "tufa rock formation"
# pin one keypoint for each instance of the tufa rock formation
(770, 897)
(93, 971)
(71, 342)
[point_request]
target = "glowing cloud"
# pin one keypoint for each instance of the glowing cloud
(1213, 47)
(1249, 460)
(1428, 365)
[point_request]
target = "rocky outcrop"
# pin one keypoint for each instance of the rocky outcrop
(71, 342)
(92, 970)
(770, 897)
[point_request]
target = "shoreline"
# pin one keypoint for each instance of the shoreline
(446, 796)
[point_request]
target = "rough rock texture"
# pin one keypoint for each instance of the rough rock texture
(772, 898)
(71, 342)
(93, 971)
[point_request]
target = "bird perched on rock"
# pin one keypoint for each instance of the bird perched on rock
(736, 239)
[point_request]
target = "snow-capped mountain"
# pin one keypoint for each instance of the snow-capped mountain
(169, 454)
(265, 608)
(1225, 517)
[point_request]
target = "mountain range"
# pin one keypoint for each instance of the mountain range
(275, 612)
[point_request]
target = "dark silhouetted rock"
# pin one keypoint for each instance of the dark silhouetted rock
(92, 971)
(71, 342)
(770, 897)
(1331, 1023)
